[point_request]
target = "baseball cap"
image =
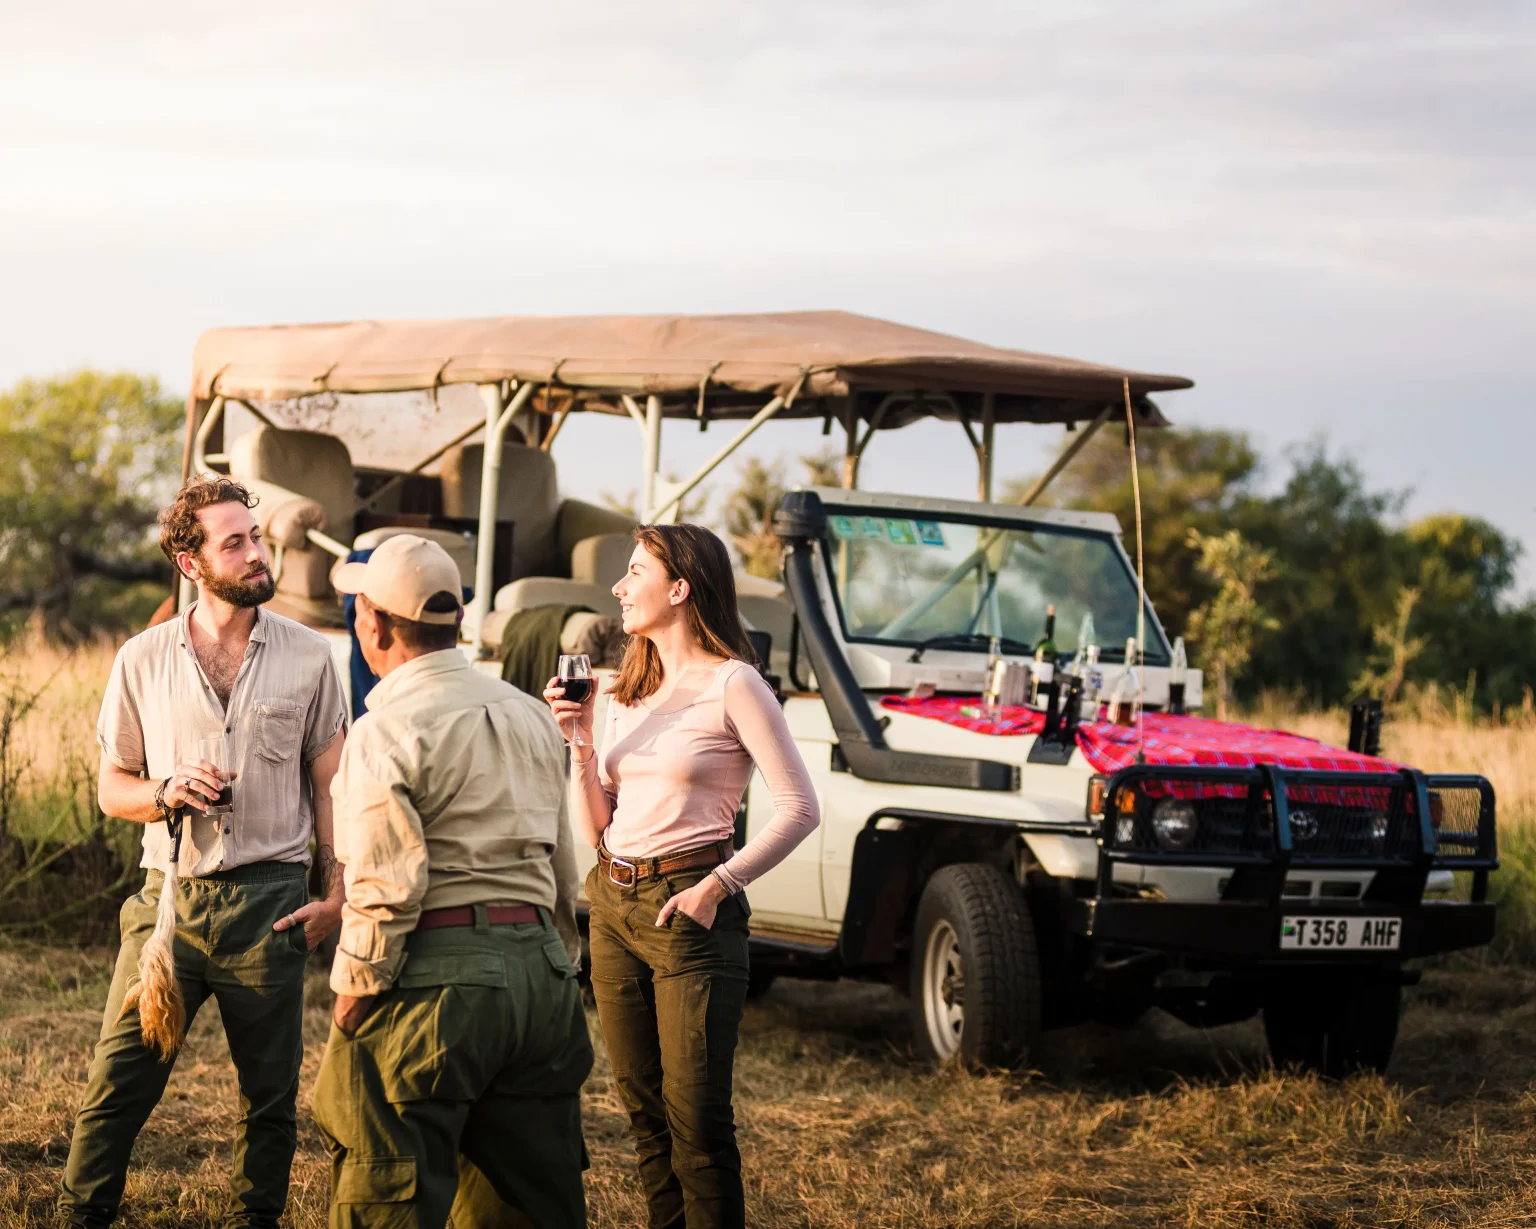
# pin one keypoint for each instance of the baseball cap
(401, 575)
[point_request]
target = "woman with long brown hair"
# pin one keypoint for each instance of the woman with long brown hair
(688, 719)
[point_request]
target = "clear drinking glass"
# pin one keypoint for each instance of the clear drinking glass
(216, 751)
(575, 675)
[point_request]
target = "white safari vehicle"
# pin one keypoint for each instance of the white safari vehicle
(993, 875)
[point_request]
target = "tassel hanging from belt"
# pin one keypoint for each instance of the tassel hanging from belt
(157, 994)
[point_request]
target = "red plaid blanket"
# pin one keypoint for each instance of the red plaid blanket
(1168, 740)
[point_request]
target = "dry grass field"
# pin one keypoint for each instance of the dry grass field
(1151, 1126)
(1155, 1125)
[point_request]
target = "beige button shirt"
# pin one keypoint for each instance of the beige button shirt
(451, 792)
(285, 708)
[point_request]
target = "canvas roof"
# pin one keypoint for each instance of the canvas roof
(598, 357)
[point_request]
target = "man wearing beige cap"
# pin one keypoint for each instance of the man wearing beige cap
(452, 1079)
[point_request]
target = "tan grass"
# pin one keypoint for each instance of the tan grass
(1158, 1125)
(71, 682)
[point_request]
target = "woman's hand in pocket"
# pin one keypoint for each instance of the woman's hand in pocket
(699, 902)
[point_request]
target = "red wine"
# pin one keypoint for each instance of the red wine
(577, 689)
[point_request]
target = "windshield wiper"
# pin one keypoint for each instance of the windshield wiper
(957, 640)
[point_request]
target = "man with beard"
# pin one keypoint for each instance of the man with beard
(243, 919)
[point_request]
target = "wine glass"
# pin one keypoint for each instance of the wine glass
(216, 751)
(575, 675)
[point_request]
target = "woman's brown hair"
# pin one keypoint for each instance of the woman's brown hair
(694, 554)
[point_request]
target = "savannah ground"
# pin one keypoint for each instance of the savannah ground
(1157, 1124)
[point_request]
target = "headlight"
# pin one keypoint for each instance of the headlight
(1175, 823)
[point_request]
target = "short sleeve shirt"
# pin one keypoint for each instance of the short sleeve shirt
(286, 707)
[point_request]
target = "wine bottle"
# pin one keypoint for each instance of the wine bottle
(1122, 705)
(991, 697)
(1177, 674)
(1046, 647)
(1086, 634)
(1093, 683)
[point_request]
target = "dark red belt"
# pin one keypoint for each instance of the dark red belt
(464, 915)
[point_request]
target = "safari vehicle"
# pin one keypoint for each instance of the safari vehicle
(1008, 877)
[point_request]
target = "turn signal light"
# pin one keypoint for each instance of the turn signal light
(1097, 786)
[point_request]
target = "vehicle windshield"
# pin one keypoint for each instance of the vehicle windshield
(903, 580)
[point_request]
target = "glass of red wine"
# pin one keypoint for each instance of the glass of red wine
(216, 751)
(575, 675)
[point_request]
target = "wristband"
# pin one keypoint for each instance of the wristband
(720, 879)
(165, 811)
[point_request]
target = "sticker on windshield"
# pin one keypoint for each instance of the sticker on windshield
(901, 532)
(929, 533)
(842, 527)
(871, 527)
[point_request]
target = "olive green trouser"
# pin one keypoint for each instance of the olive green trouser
(225, 947)
(461, 1089)
(670, 1001)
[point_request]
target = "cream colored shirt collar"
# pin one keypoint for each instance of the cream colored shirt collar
(428, 665)
(184, 633)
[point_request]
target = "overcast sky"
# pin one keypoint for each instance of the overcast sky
(1320, 212)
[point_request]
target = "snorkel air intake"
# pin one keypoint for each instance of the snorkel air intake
(800, 522)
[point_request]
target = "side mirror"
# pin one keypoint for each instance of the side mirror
(762, 646)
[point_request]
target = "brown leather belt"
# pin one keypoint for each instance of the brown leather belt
(626, 872)
(464, 915)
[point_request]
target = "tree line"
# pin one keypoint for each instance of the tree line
(1303, 573)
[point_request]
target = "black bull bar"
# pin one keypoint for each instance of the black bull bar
(1264, 823)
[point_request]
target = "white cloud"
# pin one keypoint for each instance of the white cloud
(1322, 213)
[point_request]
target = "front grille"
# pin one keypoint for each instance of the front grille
(1331, 822)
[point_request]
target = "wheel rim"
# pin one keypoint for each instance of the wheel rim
(943, 989)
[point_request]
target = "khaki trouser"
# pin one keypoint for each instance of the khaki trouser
(225, 947)
(670, 1000)
(461, 1089)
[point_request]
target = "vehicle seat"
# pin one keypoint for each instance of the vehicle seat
(528, 497)
(315, 466)
(579, 522)
(602, 559)
(554, 590)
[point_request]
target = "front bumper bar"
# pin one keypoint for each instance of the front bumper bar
(1247, 931)
(1263, 822)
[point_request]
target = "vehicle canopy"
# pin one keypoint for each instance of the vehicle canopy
(862, 373)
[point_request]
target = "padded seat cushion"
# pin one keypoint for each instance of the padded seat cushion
(316, 466)
(602, 560)
(527, 495)
(551, 591)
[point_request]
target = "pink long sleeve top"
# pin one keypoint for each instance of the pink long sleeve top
(672, 777)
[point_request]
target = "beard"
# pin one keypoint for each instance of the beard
(245, 591)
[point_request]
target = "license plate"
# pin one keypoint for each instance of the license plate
(1341, 934)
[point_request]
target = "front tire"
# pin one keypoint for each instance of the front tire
(975, 970)
(1334, 1025)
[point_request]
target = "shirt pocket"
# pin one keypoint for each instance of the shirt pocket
(278, 728)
